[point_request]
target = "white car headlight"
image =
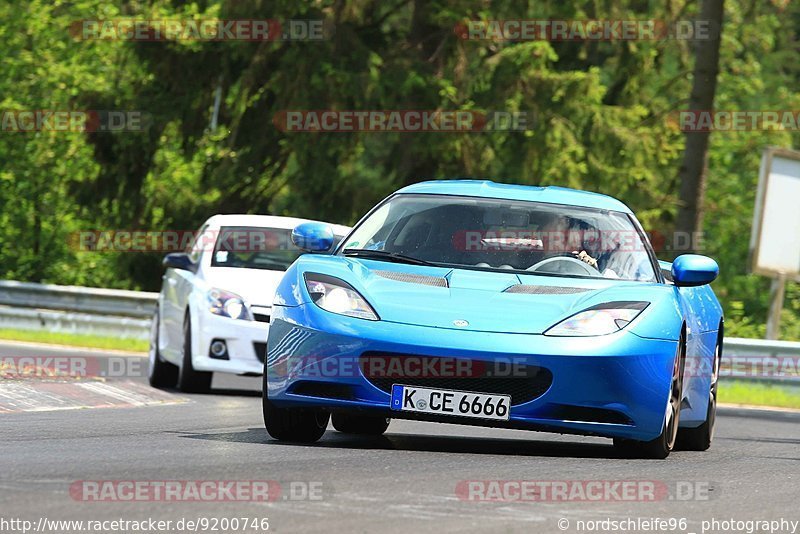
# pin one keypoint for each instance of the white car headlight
(227, 304)
(337, 296)
(599, 320)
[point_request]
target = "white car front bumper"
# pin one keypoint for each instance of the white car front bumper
(246, 343)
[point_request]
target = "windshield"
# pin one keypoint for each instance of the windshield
(254, 248)
(505, 235)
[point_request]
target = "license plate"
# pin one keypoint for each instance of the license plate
(450, 402)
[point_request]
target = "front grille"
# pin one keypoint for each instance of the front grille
(261, 350)
(522, 382)
(530, 289)
(436, 281)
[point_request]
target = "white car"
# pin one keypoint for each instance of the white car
(215, 302)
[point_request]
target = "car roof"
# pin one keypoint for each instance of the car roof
(267, 221)
(489, 189)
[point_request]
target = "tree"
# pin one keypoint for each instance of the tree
(694, 168)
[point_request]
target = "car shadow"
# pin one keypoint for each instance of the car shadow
(221, 391)
(234, 392)
(427, 443)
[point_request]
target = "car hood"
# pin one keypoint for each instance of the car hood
(465, 299)
(256, 286)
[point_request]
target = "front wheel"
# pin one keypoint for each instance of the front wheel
(160, 374)
(189, 380)
(292, 424)
(660, 447)
(360, 424)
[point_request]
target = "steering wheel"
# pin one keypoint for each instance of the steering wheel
(570, 265)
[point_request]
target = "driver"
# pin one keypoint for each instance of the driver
(592, 249)
(577, 238)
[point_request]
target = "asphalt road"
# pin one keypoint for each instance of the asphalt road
(412, 479)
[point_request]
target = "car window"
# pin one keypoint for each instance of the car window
(508, 235)
(254, 248)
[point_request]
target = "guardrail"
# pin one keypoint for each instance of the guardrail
(78, 299)
(73, 309)
(761, 359)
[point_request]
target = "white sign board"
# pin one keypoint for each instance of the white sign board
(775, 241)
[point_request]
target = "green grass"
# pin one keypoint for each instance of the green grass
(733, 392)
(75, 340)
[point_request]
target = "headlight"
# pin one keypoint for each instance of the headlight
(227, 304)
(337, 296)
(599, 320)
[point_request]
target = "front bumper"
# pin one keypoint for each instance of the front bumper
(614, 386)
(245, 341)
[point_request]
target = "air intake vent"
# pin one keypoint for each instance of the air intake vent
(325, 390)
(435, 281)
(545, 290)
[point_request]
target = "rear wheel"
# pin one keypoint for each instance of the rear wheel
(360, 424)
(660, 447)
(160, 374)
(700, 438)
(189, 380)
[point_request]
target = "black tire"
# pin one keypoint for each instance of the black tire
(160, 374)
(360, 424)
(292, 424)
(700, 438)
(189, 380)
(660, 447)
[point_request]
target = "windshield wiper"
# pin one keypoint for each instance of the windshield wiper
(384, 255)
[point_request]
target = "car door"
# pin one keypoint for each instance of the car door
(177, 287)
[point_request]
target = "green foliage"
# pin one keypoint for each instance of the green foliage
(598, 118)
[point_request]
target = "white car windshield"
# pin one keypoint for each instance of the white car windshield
(504, 235)
(254, 248)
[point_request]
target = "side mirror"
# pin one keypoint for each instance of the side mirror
(180, 260)
(692, 270)
(313, 237)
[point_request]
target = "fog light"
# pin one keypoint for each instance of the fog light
(219, 349)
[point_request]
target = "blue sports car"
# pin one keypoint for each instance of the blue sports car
(479, 303)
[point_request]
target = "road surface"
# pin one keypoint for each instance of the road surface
(418, 477)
